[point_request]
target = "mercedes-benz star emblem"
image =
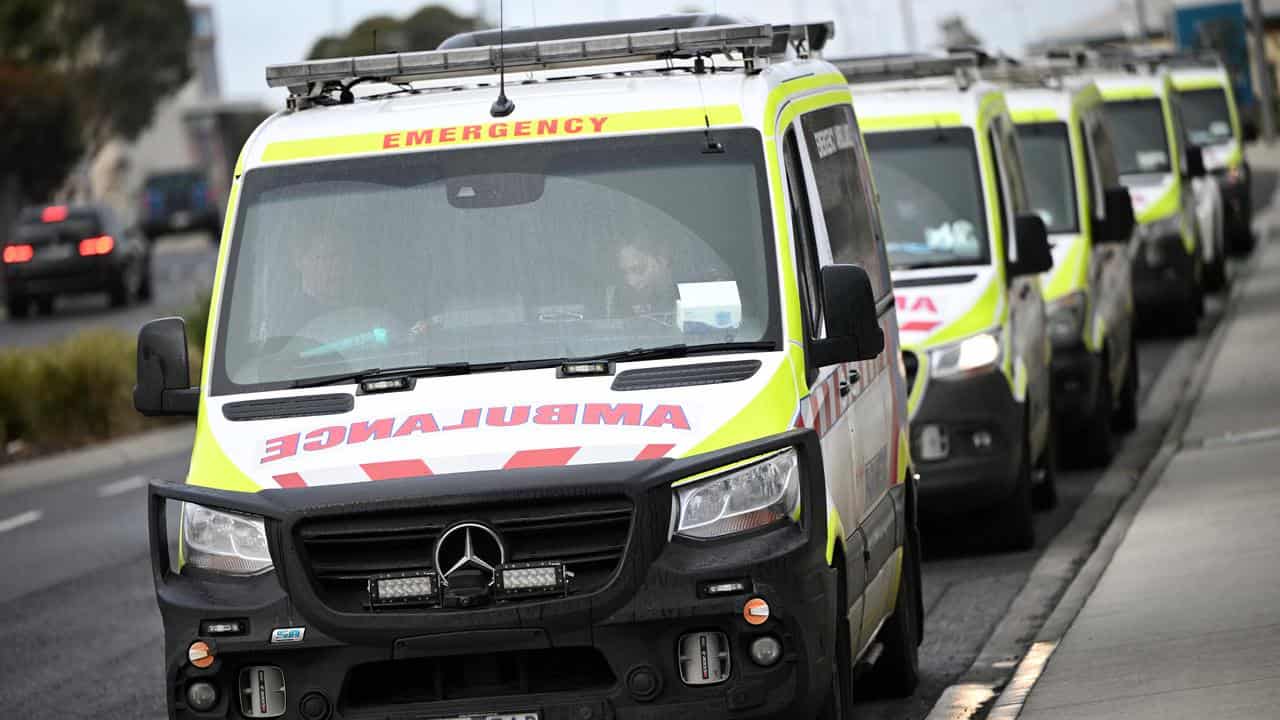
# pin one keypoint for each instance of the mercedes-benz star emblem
(469, 546)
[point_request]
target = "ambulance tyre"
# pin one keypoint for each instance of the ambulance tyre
(839, 700)
(1044, 495)
(1126, 415)
(1097, 440)
(1012, 524)
(897, 671)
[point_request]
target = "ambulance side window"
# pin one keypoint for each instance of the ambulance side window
(838, 160)
(802, 229)
(1092, 182)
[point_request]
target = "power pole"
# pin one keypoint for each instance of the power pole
(1261, 74)
(908, 25)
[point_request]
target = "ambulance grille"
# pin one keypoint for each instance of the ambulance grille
(912, 364)
(588, 535)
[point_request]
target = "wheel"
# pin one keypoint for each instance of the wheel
(1012, 526)
(839, 698)
(1044, 493)
(44, 304)
(897, 672)
(1125, 418)
(1096, 441)
(1215, 274)
(17, 305)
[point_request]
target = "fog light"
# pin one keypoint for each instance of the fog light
(532, 579)
(704, 658)
(200, 654)
(202, 696)
(982, 440)
(766, 651)
(402, 588)
(262, 691)
(934, 443)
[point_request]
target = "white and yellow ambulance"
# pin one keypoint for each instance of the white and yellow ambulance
(1212, 122)
(1158, 164)
(552, 379)
(1073, 184)
(966, 251)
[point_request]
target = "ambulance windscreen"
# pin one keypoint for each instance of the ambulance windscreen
(930, 197)
(504, 254)
(1046, 162)
(1206, 115)
(1138, 136)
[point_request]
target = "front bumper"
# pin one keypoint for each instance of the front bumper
(574, 657)
(1076, 375)
(974, 475)
(1164, 274)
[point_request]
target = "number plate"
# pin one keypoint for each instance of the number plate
(53, 252)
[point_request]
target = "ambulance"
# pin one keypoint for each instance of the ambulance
(966, 250)
(1213, 123)
(1074, 186)
(1158, 164)
(553, 373)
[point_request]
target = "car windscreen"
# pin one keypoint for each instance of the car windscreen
(497, 255)
(1046, 160)
(930, 197)
(1206, 116)
(1138, 136)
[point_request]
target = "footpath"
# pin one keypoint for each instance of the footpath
(1185, 620)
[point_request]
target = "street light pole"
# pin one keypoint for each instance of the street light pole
(908, 25)
(1266, 86)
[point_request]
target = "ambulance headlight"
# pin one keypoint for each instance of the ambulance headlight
(975, 354)
(762, 493)
(224, 542)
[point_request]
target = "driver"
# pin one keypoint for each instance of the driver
(648, 288)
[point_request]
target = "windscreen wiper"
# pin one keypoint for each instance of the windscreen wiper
(678, 350)
(417, 371)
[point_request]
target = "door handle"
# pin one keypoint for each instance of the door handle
(1026, 290)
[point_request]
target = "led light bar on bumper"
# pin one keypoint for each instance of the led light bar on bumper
(224, 542)
(404, 589)
(746, 498)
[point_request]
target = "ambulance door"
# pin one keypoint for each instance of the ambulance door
(1027, 337)
(846, 234)
(830, 394)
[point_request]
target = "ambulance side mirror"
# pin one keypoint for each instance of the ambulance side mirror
(1034, 255)
(164, 385)
(1118, 227)
(853, 325)
(1195, 162)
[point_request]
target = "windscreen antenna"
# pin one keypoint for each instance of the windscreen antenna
(503, 106)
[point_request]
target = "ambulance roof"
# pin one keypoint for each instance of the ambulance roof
(1028, 103)
(938, 101)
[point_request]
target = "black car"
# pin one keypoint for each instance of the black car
(61, 250)
(179, 201)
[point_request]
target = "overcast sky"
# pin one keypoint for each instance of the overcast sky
(253, 34)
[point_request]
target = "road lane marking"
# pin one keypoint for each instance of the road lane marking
(18, 521)
(118, 487)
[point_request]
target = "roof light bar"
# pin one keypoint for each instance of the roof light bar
(747, 39)
(906, 67)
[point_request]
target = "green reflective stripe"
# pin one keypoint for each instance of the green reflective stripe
(835, 533)
(771, 411)
(910, 122)
(1130, 92)
(792, 88)
(1036, 115)
(1163, 207)
(1235, 158)
(917, 389)
(1072, 273)
(982, 315)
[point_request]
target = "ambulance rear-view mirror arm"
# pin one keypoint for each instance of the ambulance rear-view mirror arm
(853, 326)
(164, 372)
(1118, 227)
(1034, 254)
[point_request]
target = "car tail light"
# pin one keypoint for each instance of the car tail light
(100, 245)
(18, 254)
(53, 214)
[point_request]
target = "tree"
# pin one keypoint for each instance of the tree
(76, 73)
(423, 30)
